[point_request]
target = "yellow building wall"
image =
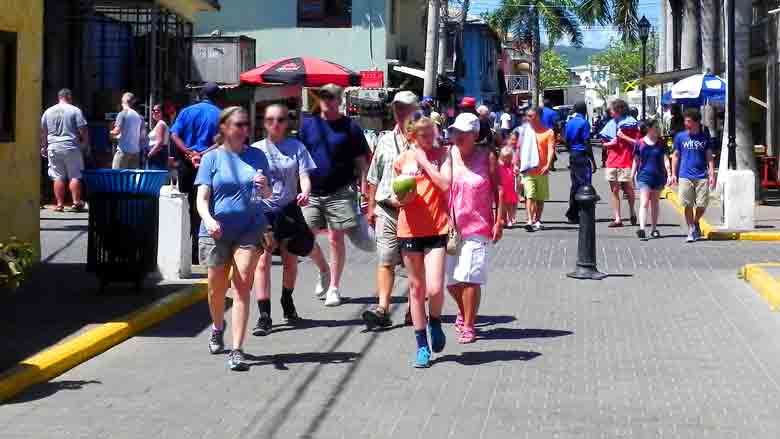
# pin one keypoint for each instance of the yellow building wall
(20, 160)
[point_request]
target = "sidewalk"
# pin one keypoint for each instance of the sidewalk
(60, 299)
(672, 346)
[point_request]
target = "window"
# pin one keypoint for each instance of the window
(324, 13)
(7, 85)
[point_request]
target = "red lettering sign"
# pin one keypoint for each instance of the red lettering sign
(372, 78)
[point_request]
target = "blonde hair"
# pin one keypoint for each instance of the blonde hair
(506, 152)
(413, 127)
(225, 116)
(128, 99)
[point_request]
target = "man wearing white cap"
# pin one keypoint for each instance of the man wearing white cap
(383, 207)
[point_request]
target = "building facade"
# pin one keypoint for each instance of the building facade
(358, 34)
(21, 54)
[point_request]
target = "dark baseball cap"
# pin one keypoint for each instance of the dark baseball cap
(210, 89)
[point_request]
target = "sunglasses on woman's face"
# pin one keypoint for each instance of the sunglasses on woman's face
(279, 120)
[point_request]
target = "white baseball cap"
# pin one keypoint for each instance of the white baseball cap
(406, 97)
(466, 122)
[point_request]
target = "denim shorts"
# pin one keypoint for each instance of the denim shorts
(219, 252)
(643, 186)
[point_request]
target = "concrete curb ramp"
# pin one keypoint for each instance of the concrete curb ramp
(64, 356)
(766, 284)
(712, 233)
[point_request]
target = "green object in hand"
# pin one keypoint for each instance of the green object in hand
(403, 184)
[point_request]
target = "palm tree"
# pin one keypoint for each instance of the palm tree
(527, 17)
(622, 14)
(744, 136)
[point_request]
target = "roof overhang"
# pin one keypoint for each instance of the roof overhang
(670, 76)
(189, 8)
(417, 73)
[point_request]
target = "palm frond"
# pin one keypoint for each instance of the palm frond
(595, 12)
(626, 19)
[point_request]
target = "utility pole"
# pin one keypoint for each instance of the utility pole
(442, 58)
(431, 47)
(460, 65)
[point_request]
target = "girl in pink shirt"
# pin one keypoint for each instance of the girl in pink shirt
(506, 171)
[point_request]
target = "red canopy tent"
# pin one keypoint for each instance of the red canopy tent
(308, 72)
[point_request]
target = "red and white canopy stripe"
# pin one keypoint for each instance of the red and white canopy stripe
(309, 72)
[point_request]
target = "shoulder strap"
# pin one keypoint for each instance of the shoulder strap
(452, 180)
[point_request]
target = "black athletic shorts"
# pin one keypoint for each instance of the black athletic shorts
(289, 225)
(422, 244)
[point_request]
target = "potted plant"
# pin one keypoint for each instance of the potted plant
(16, 259)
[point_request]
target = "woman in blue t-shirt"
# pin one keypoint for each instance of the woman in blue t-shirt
(231, 184)
(651, 170)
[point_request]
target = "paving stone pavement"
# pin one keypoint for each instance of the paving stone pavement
(674, 346)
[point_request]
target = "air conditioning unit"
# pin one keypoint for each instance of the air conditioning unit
(221, 59)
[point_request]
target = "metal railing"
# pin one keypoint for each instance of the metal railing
(518, 84)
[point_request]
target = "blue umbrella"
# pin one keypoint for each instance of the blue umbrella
(701, 87)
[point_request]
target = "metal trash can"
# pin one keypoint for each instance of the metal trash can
(123, 219)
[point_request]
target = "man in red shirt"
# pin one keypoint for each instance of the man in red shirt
(620, 156)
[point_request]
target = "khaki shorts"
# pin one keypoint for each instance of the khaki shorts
(65, 164)
(537, 187)
(336, 211)
(218, 253)
(388, 251)
(123, 160)
(620, 175)
(694, 193)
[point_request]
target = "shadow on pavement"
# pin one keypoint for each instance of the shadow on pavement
(60, 299)
(483, 357)
(372, 300)
(521, 333)
(305, 323)
(482, 320)
(44, 390)
(280, 361)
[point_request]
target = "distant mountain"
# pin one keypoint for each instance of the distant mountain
(576, 56)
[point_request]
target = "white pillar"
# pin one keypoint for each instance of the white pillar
(690, 52)
(174, 248)
(431, 48)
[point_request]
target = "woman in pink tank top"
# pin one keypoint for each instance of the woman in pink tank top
(475, 188)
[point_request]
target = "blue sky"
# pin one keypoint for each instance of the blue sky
(597, 38)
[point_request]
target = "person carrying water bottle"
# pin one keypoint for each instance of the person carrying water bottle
(231, 181)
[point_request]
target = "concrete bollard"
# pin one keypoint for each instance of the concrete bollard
(586, 198)
(739, 194)
(174, 250)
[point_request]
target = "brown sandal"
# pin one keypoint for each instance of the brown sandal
(614, 224)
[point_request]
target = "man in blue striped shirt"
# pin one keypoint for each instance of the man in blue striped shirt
(581, 163)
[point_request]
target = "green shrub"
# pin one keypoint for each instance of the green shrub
(16, 259)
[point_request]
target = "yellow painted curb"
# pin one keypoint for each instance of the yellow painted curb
(717, 235)
(764, 283)
(64, 356)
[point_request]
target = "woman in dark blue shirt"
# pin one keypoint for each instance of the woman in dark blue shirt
(651, 171)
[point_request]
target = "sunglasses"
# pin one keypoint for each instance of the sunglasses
(156, 110)
(276, 119)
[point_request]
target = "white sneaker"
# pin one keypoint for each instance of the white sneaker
(323, 282)
(538, 226)
(332, 297)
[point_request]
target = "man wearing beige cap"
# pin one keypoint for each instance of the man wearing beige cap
(339, 149)
(383, 207)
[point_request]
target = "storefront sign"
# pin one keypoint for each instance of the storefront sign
(372, 78)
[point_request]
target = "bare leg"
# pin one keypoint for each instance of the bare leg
(644, 204)
(689, 219)
(338, 254)
(615, 188)
(59, 192)
(456, 291)
(699, 213)
(415, 270)
(385, 278)
(434, 281)
(244, 262)
(263, 277)
(539, 210)
(289, 268)
(654, 200)
(628, 189)
(319, 258)
(218, 285)
(75, 191)
(471, 293)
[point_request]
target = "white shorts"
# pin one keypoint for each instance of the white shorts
(471, 263)
(65, 164)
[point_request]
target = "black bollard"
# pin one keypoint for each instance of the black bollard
(586, 198)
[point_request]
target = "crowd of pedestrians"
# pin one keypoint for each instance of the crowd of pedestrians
(437, 196)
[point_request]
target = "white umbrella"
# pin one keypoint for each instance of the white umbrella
(699, 87)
